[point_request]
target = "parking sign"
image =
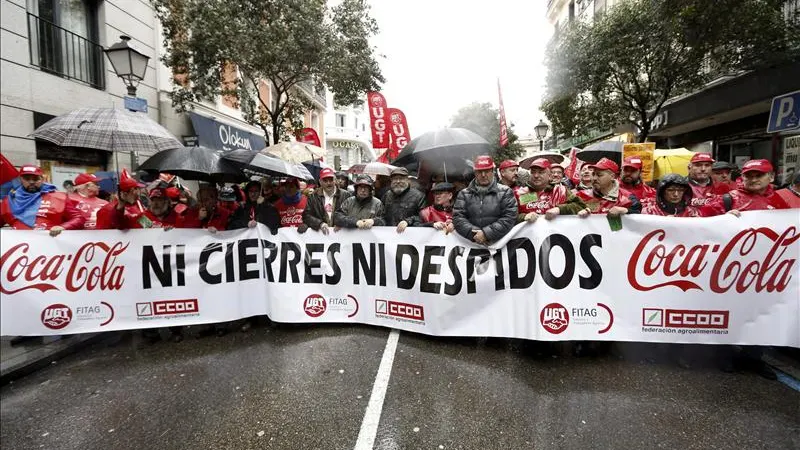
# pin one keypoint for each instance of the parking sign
(785, 113)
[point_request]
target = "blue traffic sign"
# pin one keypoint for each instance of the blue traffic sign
(136, 104)
(785, 113)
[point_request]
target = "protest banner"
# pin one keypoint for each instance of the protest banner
(722, 280)
(644, 151)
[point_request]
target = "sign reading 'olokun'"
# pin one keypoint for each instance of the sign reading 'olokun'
(658, 279)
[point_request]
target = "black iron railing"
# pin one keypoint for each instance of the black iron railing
(61, 52)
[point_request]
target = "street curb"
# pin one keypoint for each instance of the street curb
(28, 367)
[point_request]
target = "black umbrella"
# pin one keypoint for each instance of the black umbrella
(195, 163)
(607, 149)
(447, 150)
(315, 167)
(259, 164)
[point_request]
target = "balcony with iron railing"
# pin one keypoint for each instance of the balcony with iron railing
(317, 94)
(61, 52)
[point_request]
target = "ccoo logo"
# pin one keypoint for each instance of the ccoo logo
(56, 316)
(554, 318)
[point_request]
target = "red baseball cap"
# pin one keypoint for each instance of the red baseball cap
(126, 183)
(30, 169)
(541, 163)
(484, 163)
(157, 192)
(632, 161)
(605, 164)
(757, 165)
(84, 178)
(508, 164)
(701, 157)
(327, 173)
(173, 193)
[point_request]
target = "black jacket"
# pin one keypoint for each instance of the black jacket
(494, 212)
(263, 213)
(406, 206)
(314, 215)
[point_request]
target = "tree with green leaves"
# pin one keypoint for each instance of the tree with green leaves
(484, 120)
(261, 53)
(626, 64)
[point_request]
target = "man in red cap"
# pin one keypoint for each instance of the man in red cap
(486, 210)
(121, 214)
(509, 174)
(755, 194)
(291, 204)
(86, 190)
(37, 205)
(606, 195)
(631, 179)
(318, 214)
(700, 179)
(540, 197)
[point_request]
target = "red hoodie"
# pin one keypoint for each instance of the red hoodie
(291, 215)
(641, 191)
(742, 200)
(601, 205)
(217, 219)
(430, 214)
(55, 209)
(88, 206)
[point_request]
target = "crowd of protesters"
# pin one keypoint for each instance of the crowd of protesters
(482, 207)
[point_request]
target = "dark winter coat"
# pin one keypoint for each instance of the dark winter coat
(315, 215)
(353, 209)
(263, 213)
(406, 206)
(494, 212)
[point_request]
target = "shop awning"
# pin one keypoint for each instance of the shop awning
(212, 133)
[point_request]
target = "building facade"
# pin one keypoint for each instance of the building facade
(52, 62)
(348, 136)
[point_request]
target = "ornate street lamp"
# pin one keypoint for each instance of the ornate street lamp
(128, 63)
(541, 133)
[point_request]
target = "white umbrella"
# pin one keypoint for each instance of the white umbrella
(295, 152)
(372, 168)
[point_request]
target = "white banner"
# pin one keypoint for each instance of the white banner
(712, 280)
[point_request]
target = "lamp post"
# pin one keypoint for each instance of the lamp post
(128, 63)
(541, 133)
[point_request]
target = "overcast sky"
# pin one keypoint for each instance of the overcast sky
(444, 54)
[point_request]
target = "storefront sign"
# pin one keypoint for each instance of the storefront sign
(791, 158)
(218, 135)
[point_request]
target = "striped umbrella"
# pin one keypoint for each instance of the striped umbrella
(110, 129)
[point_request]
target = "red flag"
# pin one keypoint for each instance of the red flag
(7, 170)
(398, 132)
(377, 117)
(573, 170)
(503, 126)
(308, 136)
(384, 157)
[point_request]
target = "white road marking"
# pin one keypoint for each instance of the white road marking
(372, 416)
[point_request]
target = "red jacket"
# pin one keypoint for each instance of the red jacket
(539, 203)
(790, 198)
(88, 207)
(217, 219)
(652, 208)
(430, 214)
(291, 215)
(55, 209)
(742, 200)
(600, 205)
(701, 195)
(108, 218)
(641, 191)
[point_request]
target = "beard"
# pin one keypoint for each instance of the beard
(329, 190)
(398, 188)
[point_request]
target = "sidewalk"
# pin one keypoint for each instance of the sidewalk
(37, 352)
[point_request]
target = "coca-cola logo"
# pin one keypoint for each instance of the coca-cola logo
(734, 265)
(56, 316)
(292, 220)
(93, 266)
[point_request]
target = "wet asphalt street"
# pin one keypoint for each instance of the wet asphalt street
(301, 387)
